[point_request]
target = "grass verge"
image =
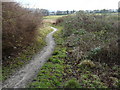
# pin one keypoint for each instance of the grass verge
(51, 74)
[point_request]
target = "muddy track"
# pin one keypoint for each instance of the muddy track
(26, 74)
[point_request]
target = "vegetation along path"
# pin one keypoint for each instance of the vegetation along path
(21, 78)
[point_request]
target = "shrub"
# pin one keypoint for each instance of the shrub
(59, 20)
(91, 81)
(87, 63)
(72, 83)
(19, 29)
(108, 54)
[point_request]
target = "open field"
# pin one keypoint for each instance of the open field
(52, 19)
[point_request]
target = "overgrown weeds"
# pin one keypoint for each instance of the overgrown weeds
(91, 43)
(87, 54)
(91, 35)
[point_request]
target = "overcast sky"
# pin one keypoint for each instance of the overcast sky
(70, 4)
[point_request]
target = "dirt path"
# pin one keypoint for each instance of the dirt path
(27, 73)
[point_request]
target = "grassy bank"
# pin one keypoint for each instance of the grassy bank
(92, 51)
(25, 56)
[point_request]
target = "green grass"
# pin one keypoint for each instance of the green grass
(53, 17)
(72, 83)
(50, 76)
(27, 54)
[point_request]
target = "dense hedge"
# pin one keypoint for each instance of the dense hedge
(19, 28)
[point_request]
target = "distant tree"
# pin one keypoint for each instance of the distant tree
(44, 12)
(73, 11)
(67, 12)
(119, 10)
(104, 11)
(59, 13)
(96, 11)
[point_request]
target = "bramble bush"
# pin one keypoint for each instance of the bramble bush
(91, 34)
(19, 29)
(91, 42)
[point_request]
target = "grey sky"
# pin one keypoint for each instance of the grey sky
(70, 4)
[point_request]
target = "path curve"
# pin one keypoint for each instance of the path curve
(26, 74)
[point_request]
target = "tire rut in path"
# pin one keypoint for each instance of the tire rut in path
(26, 74)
